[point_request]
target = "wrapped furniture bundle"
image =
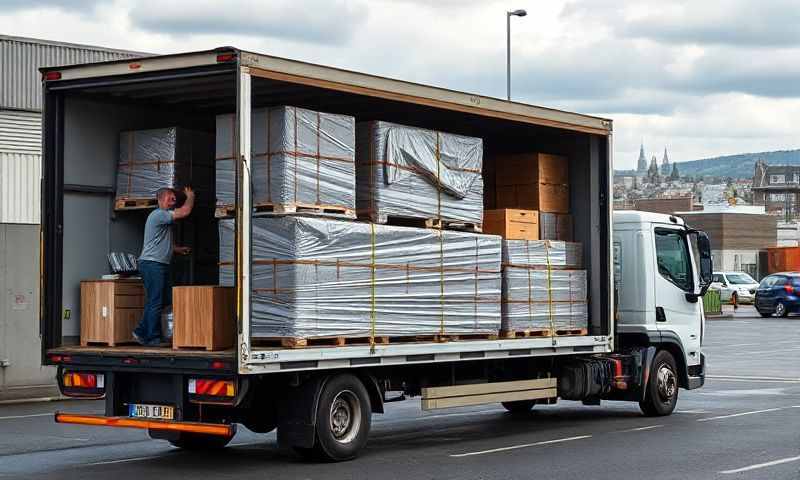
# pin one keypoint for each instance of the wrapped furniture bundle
(299, 158)
(410, 172)
(315, 277)
(543, 286)
(164, 157)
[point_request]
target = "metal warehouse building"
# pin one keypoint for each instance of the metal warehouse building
(21, 373)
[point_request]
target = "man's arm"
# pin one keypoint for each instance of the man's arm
(187, 206)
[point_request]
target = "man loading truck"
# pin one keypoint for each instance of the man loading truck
(157, 250)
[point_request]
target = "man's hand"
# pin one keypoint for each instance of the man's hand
(187, 206)
(182, 250)
(188, 192)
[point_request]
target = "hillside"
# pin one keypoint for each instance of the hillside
(737, 166)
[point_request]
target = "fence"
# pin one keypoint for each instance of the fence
(712, 304)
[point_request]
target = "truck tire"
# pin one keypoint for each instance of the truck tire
(199, 441)
(344, 417)
(662, 388)
(519, 406)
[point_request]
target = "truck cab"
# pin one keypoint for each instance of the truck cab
(661, 269)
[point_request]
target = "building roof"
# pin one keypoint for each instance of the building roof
(21, 58)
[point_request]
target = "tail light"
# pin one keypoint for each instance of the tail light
(83, 384)
(789, 288)
(211, 390)
(51, 76)
(226, 57)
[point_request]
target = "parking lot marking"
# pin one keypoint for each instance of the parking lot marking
(12, 417)
(762, 465)
(136, 459)
(516, 447)
(639, 429)
(720, 417)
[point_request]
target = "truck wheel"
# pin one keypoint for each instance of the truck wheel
(519, 406)
(199, 441)
(344, 417)
(662, 388)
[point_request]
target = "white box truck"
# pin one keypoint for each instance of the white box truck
(645, 272)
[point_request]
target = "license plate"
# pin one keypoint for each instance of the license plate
(141, 410)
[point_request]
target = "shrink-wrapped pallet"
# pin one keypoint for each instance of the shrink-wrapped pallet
(299, 158)
(163, 158)
(315, 277)
(544, 287)
(409, 172)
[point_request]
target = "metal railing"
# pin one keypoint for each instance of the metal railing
(712, 303)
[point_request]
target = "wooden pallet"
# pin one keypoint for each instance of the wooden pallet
(135, 203)
(341, 341)
(571, 332)
(109, 344)
(533, 332)
(228, 211)
(435, 223)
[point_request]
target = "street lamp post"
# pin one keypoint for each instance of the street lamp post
(516, 13)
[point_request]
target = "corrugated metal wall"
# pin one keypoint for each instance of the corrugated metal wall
(21, 58)
(20, 132)
(20, 181)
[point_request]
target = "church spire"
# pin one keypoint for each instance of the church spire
(665, 168)
(641, 166)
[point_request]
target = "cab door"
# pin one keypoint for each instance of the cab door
(678, 308)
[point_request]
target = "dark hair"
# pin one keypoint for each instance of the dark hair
(163, 191)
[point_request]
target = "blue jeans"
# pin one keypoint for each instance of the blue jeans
(158, 293)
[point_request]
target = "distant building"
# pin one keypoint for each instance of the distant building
(652, 173)
(665, 165)
(777, 187)
(641, 166)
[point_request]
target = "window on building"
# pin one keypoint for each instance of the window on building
(777, 197)
(777, 179)
(796, 178)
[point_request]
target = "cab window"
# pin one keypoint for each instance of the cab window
(672, 256)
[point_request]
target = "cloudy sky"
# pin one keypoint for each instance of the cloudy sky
(702, 78)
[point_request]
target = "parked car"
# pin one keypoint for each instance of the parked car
(734, 284)
(778, 294)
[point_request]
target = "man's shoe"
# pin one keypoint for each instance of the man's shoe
(139, 339)
(156, 342)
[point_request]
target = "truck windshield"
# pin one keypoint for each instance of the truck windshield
(740, 279)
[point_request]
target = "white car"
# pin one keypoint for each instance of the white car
(730, 284)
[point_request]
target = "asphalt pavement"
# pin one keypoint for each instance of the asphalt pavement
(744, 424)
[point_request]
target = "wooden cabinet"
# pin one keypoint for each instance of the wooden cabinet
(110, 310)
(204, 317)
(512, 224)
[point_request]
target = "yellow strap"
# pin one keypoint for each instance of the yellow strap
(530, 286)
(550, 290)
(438, 182)
(441, 280)
(372, 316)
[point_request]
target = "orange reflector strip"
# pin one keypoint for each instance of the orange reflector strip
(126, 422)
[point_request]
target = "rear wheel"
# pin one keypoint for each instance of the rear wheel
(781, 310)
(344, 417)
(662, 387)
(520, 406)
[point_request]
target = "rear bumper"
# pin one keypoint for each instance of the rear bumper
(162, 425)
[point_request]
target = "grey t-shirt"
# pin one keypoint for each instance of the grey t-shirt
(158, 237)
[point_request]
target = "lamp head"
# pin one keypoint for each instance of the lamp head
(518, 13)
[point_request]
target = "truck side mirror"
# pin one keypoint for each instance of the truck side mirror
(706, 265)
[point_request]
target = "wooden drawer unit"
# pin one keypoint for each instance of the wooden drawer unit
(512, 224)
(204, 317)
(110, 310)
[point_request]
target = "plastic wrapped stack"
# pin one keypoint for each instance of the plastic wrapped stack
(409, 172)
(544, 287)
(164, 157)
(299, 158)
(315, 277)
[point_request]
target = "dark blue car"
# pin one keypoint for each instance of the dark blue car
(778, 294)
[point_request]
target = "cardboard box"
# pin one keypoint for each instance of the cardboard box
(204, 316)
(512, 224)
(531, 168)
(542, 197)
(110, 310)
(555, 226)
